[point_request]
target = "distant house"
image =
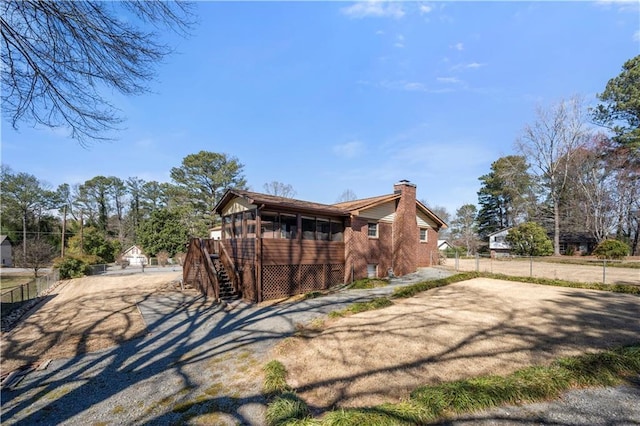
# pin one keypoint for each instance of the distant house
(6, 249)
(577, 243)
(273, 247)
(215, 233)
(571, 243)
(444, 245)
(135, 256)
(498, 245)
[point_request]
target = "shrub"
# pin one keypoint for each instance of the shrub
(611, 249)
(163, 258)
(72, 267)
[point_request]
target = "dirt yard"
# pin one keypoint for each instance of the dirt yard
(83, 315)
(481, 326)
(539, 268)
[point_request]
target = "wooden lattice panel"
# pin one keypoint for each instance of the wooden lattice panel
(287, 280)
(311, 278)
(278, 281)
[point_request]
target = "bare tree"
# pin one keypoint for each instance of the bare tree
(34, 254)
(57, 54)
(549, 145)
(279, 189)
(347, 195)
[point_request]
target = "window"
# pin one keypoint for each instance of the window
(288, 227)
(372, 230)
(423, 234)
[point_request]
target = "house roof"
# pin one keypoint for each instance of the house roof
(340, 209)
(281, 203)
(4, 238)
(131, 248)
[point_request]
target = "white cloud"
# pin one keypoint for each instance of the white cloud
(636, 36)
(621, 5)
(424, 8)
(450, 80)
(349, 149)
(458, 46)
(471, 65)
(379, 32)
(374, 8)
(399, 41)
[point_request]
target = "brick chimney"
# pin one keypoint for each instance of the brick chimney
(405, 230)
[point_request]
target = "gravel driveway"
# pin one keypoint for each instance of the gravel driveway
(199, 364)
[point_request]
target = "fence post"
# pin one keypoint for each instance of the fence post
(457, 262)
(604, 271)
(477, 262)
(530, 266)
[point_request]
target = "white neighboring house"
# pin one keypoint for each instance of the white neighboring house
(135, 256)
(498, 244)
(444, 244)
(6, 250)
(215, 233)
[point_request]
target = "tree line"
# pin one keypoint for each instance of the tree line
(576, 171)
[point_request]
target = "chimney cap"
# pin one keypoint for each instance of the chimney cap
(405, 182)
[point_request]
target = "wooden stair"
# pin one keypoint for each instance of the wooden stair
(227, 292)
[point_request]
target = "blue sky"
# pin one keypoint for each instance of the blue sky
(329, 96)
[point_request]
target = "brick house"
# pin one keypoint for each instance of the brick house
(274, 247)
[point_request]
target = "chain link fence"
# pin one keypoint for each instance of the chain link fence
(17, 296)
(581, 270)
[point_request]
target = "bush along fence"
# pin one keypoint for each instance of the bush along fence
(600, 270)
(21, 296)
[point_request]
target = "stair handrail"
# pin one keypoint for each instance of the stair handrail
(228, 264)
(211, 271)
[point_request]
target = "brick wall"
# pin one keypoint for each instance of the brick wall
(405, 231)
(362, 250)
(428, 251)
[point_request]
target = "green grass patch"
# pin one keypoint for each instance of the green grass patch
(413, 289)
(430, 403)
(287, 409)
(11, 281)
(275, 378)
(368, 283)
(615, 288)
(354, 308)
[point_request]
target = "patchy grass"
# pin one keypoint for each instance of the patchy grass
(593, 262)
(615, 288)
(413, 289)
(430, 403)
(367, 283)
(354, 308)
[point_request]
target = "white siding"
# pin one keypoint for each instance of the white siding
(236, 206)
(424, 221)
(383, 213)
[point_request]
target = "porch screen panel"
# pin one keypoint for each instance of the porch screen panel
(308, 228)
(288, 227)
(322, 230)
(269, 228)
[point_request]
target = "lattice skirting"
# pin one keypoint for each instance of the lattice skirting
(286, 280)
